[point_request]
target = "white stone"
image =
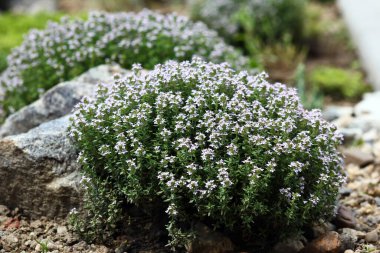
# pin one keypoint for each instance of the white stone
(333, 112)
(370, 105)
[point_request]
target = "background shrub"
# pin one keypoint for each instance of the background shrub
(65, 50)
(338, 82)
(260, 28)
(3, 59)
(14, 26)
(252, 21)
(326, 34)
(325, 1)
(205, 143)
(310, 95)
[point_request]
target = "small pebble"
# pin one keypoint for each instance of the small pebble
(4, 210)
(32, 235)
(344, 191)
(377, 199)
(345, 217)
(61, 230)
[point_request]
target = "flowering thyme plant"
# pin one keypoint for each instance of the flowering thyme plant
(65, 50)
(207, 143)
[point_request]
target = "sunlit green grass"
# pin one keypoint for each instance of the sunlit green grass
(14, 26)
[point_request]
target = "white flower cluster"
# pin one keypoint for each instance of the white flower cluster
(222, 140)
(64, 50)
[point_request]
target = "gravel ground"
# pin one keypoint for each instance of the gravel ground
(21, 235)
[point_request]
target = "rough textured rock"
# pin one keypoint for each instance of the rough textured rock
(327, 243)
(348, 238)
(372, 236)
(345, 218)
(41, 171)
(58, 101)
(322, 228)
(55, 103)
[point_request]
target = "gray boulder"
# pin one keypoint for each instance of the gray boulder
(55, 103)
(101, 73)
(38, 163)
(39, 172)
(58, 101)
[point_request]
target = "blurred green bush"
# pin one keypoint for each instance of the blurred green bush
(14, 26)
(272, 20)
(311, 97)
(3, 60)
(325, 33)
(252, 23)
(338, 82)
(270, 32)
(324, 1)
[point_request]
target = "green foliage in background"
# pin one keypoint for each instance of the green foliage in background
(311, 97)
(324, 1)
(338, 82)
(270, 32)
(14, 26)
(325, 32)
(253, 23)
(3, 60)
(281, 59)
(275, 20)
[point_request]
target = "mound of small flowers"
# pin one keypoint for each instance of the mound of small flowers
(205, 143)
(66, 49)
